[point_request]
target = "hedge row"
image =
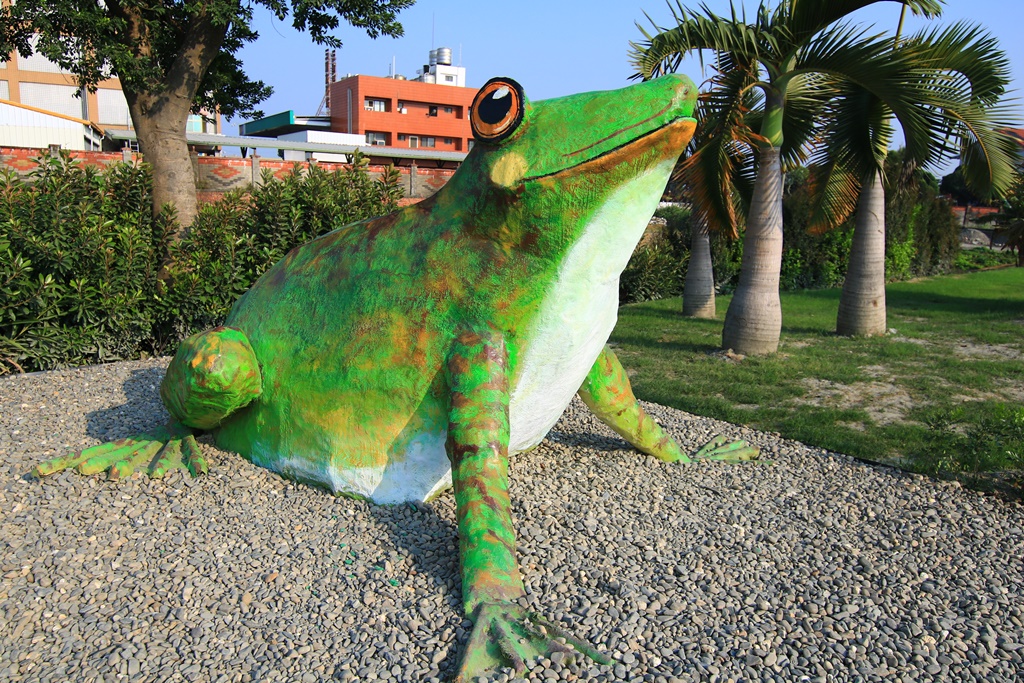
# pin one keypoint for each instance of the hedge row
(89, 275)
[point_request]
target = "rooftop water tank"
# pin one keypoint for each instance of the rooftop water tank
(444, 56)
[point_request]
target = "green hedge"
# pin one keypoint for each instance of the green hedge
(88, 274)
(657, 271)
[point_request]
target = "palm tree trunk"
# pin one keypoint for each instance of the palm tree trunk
(862, 304)
(753, 322)
(699, 286)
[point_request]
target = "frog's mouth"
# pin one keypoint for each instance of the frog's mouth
(667, 141)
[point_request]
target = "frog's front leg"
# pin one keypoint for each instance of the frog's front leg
(607, 393)
(504, 634)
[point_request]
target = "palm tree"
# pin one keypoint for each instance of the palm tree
(699, 285)
(716, 169)
(955, 79)
(780, 52)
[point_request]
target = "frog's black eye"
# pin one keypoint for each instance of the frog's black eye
(497, 110)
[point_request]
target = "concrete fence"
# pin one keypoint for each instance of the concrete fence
(217, 175)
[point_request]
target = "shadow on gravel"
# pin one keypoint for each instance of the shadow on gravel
(587, 440)
(141, 411)
(433, 546)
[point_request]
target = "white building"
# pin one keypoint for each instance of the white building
(319, 136)
(24, 126)
(441, 71)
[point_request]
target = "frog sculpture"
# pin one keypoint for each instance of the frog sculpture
(400, 355)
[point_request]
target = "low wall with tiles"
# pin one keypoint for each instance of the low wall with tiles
(217, 175)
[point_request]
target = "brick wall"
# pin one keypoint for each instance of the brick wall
(217, 175)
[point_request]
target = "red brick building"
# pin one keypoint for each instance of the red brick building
(395, 112)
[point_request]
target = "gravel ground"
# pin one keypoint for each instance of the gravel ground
(813, 567)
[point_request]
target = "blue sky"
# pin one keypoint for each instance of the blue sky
(552, 47)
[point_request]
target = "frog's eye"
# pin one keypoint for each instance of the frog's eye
(497, 109)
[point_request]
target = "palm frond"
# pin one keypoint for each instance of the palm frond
(701, 31)
(807, 17)
(969, 55)
(834, 192)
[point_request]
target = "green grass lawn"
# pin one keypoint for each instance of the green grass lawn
(943, 393)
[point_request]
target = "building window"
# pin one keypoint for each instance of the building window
(374, 138)
(448, 79)
(428, 142)
(447, 141)
(448, 110)
(402, 109)
(113, 107)
(401, 137)
(432, 111)
(470, 146)
(194, 124)
(375, 104)
(62, 99)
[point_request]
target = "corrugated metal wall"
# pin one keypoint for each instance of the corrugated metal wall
(23, 128)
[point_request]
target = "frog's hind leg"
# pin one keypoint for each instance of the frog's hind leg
(607, 393)
(212, 375)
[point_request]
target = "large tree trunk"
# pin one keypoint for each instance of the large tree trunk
(699, 286)
(753, 322)
(160, 127)
(160, 107)
(862, 304)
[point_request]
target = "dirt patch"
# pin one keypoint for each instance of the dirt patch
(1008, 392)
(966, 349)
(875, 371)
(912, 340)
(884, 402)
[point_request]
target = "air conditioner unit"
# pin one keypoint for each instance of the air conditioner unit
(379, 142)
(404, 110)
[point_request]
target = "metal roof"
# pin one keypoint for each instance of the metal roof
(210, 139)
(282, 123)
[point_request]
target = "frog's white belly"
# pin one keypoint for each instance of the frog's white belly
(575, 320)
(580, 310)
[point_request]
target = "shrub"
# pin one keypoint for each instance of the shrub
(981, 259)
(88, 275)
(975, 438)
(78, 265)
(652, 273)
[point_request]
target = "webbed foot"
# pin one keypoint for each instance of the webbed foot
(722, 450)
(505, 634)
(166, 449)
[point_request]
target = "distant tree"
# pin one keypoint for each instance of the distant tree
(173, 58)
(784, 53)
(956, 187)
(1010, 218)
(947, 99)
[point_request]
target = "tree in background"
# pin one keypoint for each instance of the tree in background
(1010, 219)
(783, 53)
(173, 58)
(954, 185)
(947, 103)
